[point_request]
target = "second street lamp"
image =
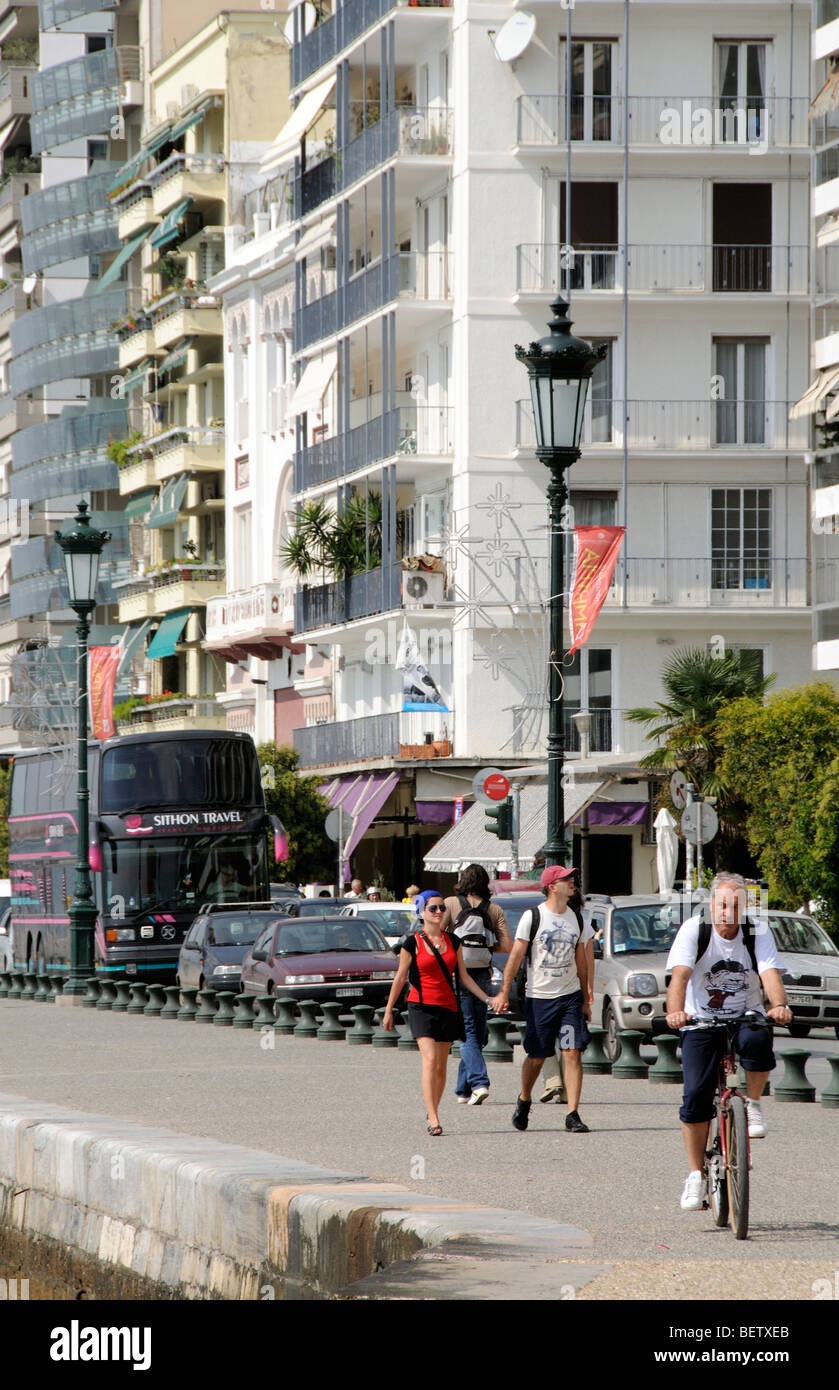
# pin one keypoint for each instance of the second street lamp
(560, 367)
(82, 545)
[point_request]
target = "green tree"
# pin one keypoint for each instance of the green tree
(782, 758)
(302, 810)
(698, 686)
(5, 780)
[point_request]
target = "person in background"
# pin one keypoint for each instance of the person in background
(470, 913)
(410, 893)
(355, 889)
(428, 959)
(553, 1072)
(373, 895)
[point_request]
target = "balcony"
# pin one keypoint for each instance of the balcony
(184, 315)
(14, 190)
(709, 582)
(411, 277)
(251, 622)
(174, 716)
(82, 97)
(181, 449)
(15, 97)
(135, 212)
(67, 220)
(408, 431)
(681, 425)
(664, 123)
(344, 26)
(197, 177)
(179, 586)
(13, 303)
(56, 12)
(71, 339)
(396, 735)
(315, 186)
(409, 131)
(68, 452)
(542, 269)
(347, 600)
(18, 414)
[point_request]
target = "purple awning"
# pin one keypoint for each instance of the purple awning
(362, 797)
(616, 813)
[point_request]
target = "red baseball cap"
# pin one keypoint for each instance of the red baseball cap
(555, 872)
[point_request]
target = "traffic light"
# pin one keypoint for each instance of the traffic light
(499, 820)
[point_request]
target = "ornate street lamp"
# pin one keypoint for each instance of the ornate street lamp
(82, 545)
(560, 367)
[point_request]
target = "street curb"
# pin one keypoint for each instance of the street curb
(139, 1212)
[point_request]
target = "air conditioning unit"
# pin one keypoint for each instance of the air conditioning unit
(421, 589)
(188, 93)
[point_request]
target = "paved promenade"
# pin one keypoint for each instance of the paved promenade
(361, 1109)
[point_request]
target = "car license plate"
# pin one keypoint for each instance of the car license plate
(344, 990)
(800, 998)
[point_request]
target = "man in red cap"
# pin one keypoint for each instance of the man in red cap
(557, 994)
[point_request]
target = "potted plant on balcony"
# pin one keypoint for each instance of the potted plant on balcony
(117, 449)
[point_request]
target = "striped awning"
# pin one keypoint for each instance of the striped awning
(181, 127)
(169, 501)
(124, 255)
(168, 230)
(168, 635)
(813, 398)
(137, 375)
(175, 357)
(140, 503)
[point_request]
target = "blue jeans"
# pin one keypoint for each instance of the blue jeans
(472, 1071)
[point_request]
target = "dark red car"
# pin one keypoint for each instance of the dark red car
(322, 958)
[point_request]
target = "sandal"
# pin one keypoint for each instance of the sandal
(435, 1130)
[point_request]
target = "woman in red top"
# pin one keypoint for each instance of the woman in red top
(428, 959)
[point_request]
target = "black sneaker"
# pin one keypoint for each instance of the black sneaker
(575, 1124)
(521, 1114)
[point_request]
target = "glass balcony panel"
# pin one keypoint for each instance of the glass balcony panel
(55, 12)
(78, 98)
(87, 314)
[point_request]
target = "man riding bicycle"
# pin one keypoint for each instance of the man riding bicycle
(718, 967)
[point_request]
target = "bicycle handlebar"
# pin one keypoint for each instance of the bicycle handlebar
(751, 1016)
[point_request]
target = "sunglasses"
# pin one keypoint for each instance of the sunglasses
(435, 907)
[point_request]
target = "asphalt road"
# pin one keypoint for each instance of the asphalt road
(360, 1108)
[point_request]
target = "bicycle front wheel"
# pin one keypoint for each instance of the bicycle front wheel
(737, 1133)
(717, 1186)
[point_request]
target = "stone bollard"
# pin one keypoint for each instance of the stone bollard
(207, 1005)
(156, 1000)
(498, 1049)
(243, 1011)
(139, 998)
(630, 1066)
(123, 999)
(794, 1085)
(224, 1012)
(107, 994)
(42, 993)
(92, 994)
(665, 1070)
(595, 1061)
(189, 1004)
(361, 1033)
(307, 1027)
(263, 1011)
(5, 983)
(16, 985)
(332, 1030)
(407, 1041)
(830, 1095)
(381, 1037)
(56, 987)
(30, 987)
(286, 1020)
(172, 1007)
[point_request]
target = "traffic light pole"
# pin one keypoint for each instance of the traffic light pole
(515, 792)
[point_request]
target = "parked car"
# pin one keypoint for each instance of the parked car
(811, 977)
(316, 907)
(514, 905)
(6, 940)
(394, 920)
(284, 893)
(216, 944)
(333, 958)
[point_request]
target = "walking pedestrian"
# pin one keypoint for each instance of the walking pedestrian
(482, 929)
(428, 959)
(553, 937)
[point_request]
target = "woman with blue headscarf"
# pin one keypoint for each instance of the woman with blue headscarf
(428, 960)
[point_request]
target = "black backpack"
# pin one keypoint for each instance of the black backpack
(476, 934)
(704, 939)
(521, 978)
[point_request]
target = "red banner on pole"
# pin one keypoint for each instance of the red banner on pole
(595, 556)
(102, 678)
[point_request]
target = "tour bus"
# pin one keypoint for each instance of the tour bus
(176, 820)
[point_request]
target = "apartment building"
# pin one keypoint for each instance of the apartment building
(820, 400)
(430, 175)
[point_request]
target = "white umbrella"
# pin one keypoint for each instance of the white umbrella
(667, 849)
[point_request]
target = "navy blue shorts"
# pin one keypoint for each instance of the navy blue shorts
(701, 1052)
(549, 1019)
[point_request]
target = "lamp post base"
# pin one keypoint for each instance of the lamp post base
(556, 852)
(82, 916)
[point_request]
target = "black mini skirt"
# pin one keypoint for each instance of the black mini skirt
(433, 1021)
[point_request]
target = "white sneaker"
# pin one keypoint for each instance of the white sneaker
(693, 1195)
(478, 1095)
(757, 1119)
(464, 1100)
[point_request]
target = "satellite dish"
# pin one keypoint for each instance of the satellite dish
(310, 19)
(514, 36)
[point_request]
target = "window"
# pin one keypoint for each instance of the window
(598, 423)
(588, 685)
(741, 90)
(741, 538)
(588, 509)
(742, 231)
(593, 230)
(593, 71)
(741, 403)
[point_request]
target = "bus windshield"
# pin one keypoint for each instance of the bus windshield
(196, 772)
(182, 872)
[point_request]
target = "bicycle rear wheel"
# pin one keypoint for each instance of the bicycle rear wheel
(738, 1166)
(717, 1186)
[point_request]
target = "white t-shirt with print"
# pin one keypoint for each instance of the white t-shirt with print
(723, 984)
(553, 968)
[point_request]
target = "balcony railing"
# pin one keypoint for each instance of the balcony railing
(825, 581)
(395, 734)
(314, 186)
(408, 130)
(55, 12)
(408, 430)
(340, 29)
(347, 600)
(714, 582)
(681, 425)
(67, 220)
(408, 276)
(544, 268)
(70, 339)
(81, 97)
(665, 122)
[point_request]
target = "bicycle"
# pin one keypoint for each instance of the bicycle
(728, 1157)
